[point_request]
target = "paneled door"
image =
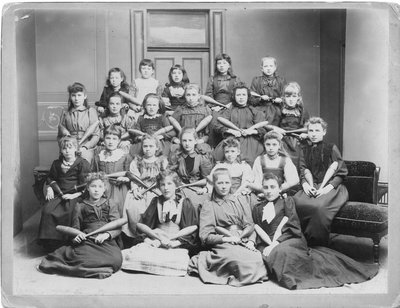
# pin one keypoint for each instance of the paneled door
(196, 64)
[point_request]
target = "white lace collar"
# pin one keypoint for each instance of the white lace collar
(111, 157)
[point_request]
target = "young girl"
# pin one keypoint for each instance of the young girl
(220, 85)
(65, 174)
(322, 173)
(285, 252)
(226, 227)
(268, 90)
(145, 167)
(276, 162)
(116, 116)
(192, 166)
(240, 171)
(86, 257)
(244, 117)
(113, 159)
(116, 82)
(153, 122)
(146, 83)
(173, 94)
(293, 117)
(78, 119)
(170, 224)
(193, 112)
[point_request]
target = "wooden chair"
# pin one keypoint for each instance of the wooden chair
(362, 216)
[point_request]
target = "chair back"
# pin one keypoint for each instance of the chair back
(362, 181)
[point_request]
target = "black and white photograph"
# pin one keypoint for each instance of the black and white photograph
(200, 154)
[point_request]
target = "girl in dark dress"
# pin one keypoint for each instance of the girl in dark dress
(116, 82)
(226, 229)
(87, 257)
(153, 122)
(285, 252)
(170, 226)
(244, 117)
(173, 94)
(65, 173)
(293, 117)
(268, 90)
(317, 203)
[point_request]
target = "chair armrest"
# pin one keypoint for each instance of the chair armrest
(375, 185)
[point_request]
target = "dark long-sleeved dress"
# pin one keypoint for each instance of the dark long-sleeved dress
(226, 263)
(161, 261)
(273, 87)
(291, 119)
(108, 163)
(109, 90)
(150, 125)
(294, 265)
(58, 211)
(243, 117)
(88, 259)
(170, 91)
(316, 214)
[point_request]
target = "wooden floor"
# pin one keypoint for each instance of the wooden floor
(147, 290)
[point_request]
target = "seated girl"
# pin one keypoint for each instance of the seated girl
(285, 252)
(65, 174)
(226, 228)
(322, 173)
(192, 166)
(240, 171)
(275, 161)
(88, 257)
(170, 225)
(143, 172)
(245, 118)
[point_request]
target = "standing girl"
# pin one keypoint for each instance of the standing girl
(322, 171)
(173, 94)
(275, 161)
(268, 90)
(226, 227)
(285, 251)
(244, 117)
(170, 224)
(113, 159)
(79, 120)
(116, 82)
(194, 112)
(116, 116)
(240, 171)
(65, 174)
(153, 122)
(86, 257)
(293, 117)
(146, 167)
(192, 166)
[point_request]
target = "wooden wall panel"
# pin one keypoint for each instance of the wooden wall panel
(162, 67)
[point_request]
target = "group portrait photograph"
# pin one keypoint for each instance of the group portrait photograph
(200, 154)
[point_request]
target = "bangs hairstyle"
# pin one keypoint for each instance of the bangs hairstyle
(227, 58)
(94, 176)
(293, 88)
(161, 104)
(240, 85)
(230, 142)
(273, 135)
(146, 62)
(190, 86)
(188, 130)
(68, 141)
(75, 88)
(116, 94)
(185, 78)
(317, 120)
(123, 76)
(156, 141)
(271, 176)
(269, 58)
(168, 174)
(113, 130)
(218, 172)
